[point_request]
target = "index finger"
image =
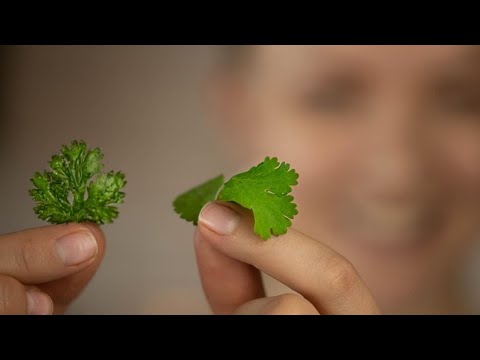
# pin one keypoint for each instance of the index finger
(321, 275)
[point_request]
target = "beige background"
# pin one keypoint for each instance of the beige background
(140, 105)
(143, 105)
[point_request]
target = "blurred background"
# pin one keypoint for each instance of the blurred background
(145, 107)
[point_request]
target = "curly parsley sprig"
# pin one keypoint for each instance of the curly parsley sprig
(68, 192)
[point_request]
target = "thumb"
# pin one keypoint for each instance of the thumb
(63, 291)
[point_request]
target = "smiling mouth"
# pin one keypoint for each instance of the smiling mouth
(391, 230)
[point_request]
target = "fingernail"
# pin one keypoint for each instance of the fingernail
(77, 248)
(219, 218)
(38, 303)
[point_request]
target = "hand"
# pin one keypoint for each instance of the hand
(230, 255)
(43, 269)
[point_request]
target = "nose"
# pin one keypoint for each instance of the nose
(396, 164)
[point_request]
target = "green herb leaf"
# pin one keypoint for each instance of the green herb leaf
(68, 193)
(189, 204)
(264, 189)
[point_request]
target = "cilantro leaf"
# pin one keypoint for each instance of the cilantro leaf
(65, 194)
(189, 204)
(264, 189)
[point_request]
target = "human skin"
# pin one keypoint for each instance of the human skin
(42, 270)
(387, 143)
(386, 140)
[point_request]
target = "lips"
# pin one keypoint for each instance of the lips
(390, 228)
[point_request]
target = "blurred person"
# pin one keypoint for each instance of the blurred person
(386, 140)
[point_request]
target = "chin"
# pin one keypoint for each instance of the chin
(396, 295)
(399, 278)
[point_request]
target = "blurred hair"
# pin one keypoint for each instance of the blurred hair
(233, 55)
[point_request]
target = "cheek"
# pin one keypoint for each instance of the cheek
(461, 172)
(454, 172)
(322, 154)
(324, 159)
(460, 168)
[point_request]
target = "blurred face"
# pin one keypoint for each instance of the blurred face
(386, 140)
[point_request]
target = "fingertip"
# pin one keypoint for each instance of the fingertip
(91, 228)
(197, 236)
(99, 236)
(38, 303)
(201, 244)
(219, 218)
(95, 229)
(203, 236)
